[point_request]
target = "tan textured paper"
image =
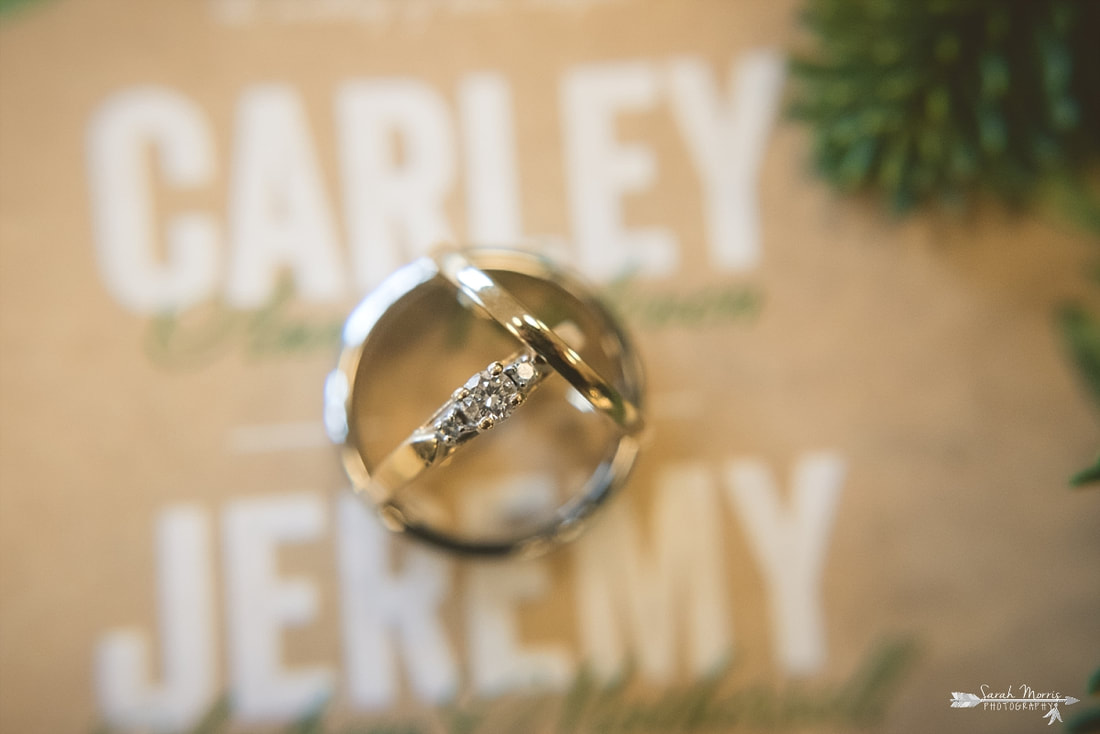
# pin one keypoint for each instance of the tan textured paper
(911, 369)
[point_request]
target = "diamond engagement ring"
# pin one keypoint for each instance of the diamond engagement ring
(606, 382)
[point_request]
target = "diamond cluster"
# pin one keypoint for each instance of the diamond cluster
(486, 399)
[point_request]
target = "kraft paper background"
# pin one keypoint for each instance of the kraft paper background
(921, 352)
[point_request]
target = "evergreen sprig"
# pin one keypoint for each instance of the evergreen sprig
(924, 99)
(1081, 334)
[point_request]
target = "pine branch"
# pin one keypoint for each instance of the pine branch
(923, 100)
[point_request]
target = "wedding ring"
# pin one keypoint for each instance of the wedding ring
(488, 399)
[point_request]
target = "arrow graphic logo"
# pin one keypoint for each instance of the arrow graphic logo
(970, 700)
(964, 700)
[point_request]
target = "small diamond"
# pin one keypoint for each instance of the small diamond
(470, 409)
(451, 426)
(486, 399)
(525, 371)
(503, 385)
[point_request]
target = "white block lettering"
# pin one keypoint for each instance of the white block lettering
(394, 197)
(601, 170)
(259, 604)
(489, 147)
(186, 609)
(279, 216)
(499, 661)
(727, 139)
(388, 612)
(656, 590)
(120, 135)
(789, 546)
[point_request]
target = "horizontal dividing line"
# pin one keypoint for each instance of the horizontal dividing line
(682, 405)
(272, 437)
(269, 438)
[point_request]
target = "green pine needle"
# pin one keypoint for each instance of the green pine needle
(1087, 476)
(924, 100)
(1081, 334)
(10, 6)
(1085, 723)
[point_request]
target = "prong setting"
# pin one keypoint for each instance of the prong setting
(485, 400)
